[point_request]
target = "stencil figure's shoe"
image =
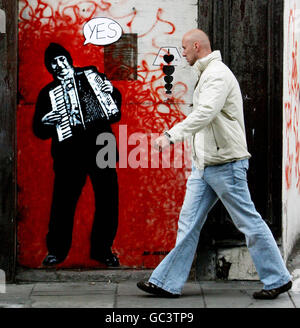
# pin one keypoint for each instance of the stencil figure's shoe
(51, 260)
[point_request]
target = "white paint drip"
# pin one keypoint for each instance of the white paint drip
(2, 21)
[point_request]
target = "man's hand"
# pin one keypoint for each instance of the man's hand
(161, 142)
(107, 86)
(52, 118)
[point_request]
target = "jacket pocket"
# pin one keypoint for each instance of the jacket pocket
(220, 134)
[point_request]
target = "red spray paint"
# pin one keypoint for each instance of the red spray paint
(291, 107)
(150, 199)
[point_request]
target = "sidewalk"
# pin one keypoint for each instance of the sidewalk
(116, 289)
(125, 294)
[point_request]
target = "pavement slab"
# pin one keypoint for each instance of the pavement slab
(16, 296)
(238, 294)
(74, 295)
(295, 297)
(126, 295)
(129, 296)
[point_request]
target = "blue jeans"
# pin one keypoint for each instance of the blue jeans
(227, 182)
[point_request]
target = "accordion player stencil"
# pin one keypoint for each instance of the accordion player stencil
(72, 110)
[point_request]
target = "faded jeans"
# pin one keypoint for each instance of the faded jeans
(227, 182)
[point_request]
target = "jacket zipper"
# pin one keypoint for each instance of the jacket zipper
(215, 137)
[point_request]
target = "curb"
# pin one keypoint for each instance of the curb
(24, 275)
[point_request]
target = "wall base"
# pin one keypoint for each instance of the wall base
(230, 263)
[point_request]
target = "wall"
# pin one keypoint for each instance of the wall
(291, 136)
(150, 198)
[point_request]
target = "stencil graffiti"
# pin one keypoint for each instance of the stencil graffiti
(168, 70)
(73, 109)
(167, 56)
(144, 110)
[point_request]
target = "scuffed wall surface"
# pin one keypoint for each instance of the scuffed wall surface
(291, 133)
(150, 198)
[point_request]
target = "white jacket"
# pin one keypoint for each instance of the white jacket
(216, 123)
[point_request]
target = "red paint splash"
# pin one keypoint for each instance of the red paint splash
(150, 199)
(291, 107)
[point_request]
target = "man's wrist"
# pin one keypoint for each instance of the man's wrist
(168, 137)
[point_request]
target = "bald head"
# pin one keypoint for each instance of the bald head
(198, 36)
(196, 45)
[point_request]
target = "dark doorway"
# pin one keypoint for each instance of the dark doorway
(249, 34)
(8, 87)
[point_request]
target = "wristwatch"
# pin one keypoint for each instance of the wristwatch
(168, 136)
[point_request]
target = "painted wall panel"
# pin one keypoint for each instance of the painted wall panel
(291, 138)
(150, 197)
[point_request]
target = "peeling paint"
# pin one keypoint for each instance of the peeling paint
(2, 281)
(223, 268)
(296, 281)
(2, 21)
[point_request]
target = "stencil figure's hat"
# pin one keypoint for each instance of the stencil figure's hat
(54, 50)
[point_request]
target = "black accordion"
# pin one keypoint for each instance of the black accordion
(65, 100)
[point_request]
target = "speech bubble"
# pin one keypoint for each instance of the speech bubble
(101, 31)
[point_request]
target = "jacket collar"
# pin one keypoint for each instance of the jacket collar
(201, 64)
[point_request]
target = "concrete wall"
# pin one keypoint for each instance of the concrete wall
(291, 133)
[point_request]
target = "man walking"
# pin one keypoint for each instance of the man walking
(219, 171)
